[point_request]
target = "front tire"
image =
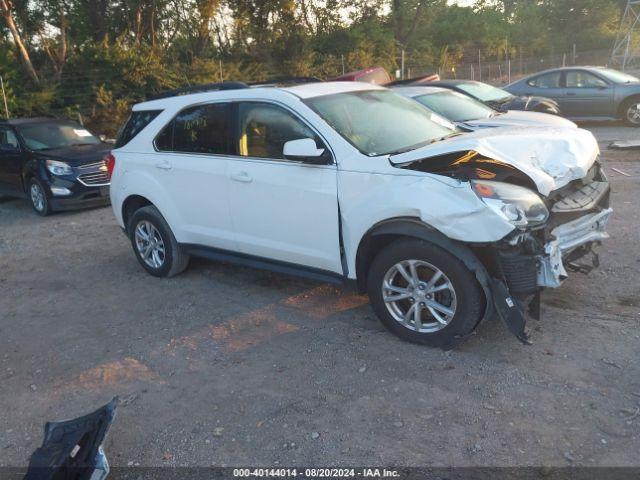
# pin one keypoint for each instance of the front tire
(424, 294)
(154, 244)
(631, 112)
(38, 198)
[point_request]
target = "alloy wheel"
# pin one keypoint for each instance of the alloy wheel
(149, 244)
(633, 113)
(419, 296)
(37, 197)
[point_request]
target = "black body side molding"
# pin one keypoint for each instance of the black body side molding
(293, 269)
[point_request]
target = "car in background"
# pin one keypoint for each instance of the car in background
(499, 99)
(586, 93)
(55, 164)
(374, 75)
(471, 114)
(379, 76)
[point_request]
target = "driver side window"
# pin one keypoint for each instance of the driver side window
(581, 79)
(265, 128)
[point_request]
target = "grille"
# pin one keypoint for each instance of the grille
(94, 179)
(93, 165)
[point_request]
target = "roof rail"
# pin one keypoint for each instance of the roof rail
(207, 87)
(290, 80)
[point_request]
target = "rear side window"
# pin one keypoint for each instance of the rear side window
(201, 129)
(549, 80)
(137, 121)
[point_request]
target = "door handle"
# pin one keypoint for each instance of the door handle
(571, 94)
(163, 165)
(241, 177)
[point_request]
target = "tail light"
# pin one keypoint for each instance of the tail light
(110, 163)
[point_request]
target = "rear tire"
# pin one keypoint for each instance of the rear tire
(38, 198)
(154, 244)
(631, 112)
(447, 295)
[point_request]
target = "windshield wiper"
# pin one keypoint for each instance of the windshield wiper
(81, 144)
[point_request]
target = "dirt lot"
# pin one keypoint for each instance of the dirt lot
(231, 366)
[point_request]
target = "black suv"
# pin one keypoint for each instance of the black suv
(55, 164)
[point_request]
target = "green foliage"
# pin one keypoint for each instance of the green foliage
(117, 52)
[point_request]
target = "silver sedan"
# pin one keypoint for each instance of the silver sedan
(586, 93)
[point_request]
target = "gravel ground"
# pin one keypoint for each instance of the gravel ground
(230, 366)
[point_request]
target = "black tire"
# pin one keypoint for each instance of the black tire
(626, 114)
(469, 295)
(175, 259)
(41, 207)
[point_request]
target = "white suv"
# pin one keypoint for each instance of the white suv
(352, 182)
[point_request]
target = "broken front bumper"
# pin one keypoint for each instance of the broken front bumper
(571, 237)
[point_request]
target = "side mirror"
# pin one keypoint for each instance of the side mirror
(9, 148)
(304, 150)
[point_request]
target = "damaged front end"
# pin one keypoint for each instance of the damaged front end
(555, 232)
(531, 259)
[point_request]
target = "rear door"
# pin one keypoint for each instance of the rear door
(280, 209)
(586, 95)
(191, 165)
(11, 157)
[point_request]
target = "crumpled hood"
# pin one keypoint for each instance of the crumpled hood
(516, 118)
(551, 156)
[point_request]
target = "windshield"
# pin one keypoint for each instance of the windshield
(484, 92)
(379, 122)
(47, 136)
(617, 77)
(455, 107)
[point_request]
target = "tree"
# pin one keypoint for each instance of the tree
(6, 6)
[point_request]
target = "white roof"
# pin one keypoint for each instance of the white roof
(307, 90)
(310, 90)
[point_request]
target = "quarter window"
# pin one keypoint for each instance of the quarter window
(201, 129)
(136, 123)
(549, 80)
(7, 137)
(264, 129)
(581, 79)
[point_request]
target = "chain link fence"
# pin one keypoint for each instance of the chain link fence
(502, 72)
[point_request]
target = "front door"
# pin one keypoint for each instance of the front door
(586, 95)
(282, 210)
(10, 163)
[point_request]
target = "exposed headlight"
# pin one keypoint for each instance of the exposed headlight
(59, 168)
(518, 205)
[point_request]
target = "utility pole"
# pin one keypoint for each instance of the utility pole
(4, 96)
(625, 50)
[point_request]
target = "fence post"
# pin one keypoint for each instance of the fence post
(509, 68)
(4, 96)
(574, 54)
(220, 65)
(402, 66)
(342, 56)
(479, 65)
